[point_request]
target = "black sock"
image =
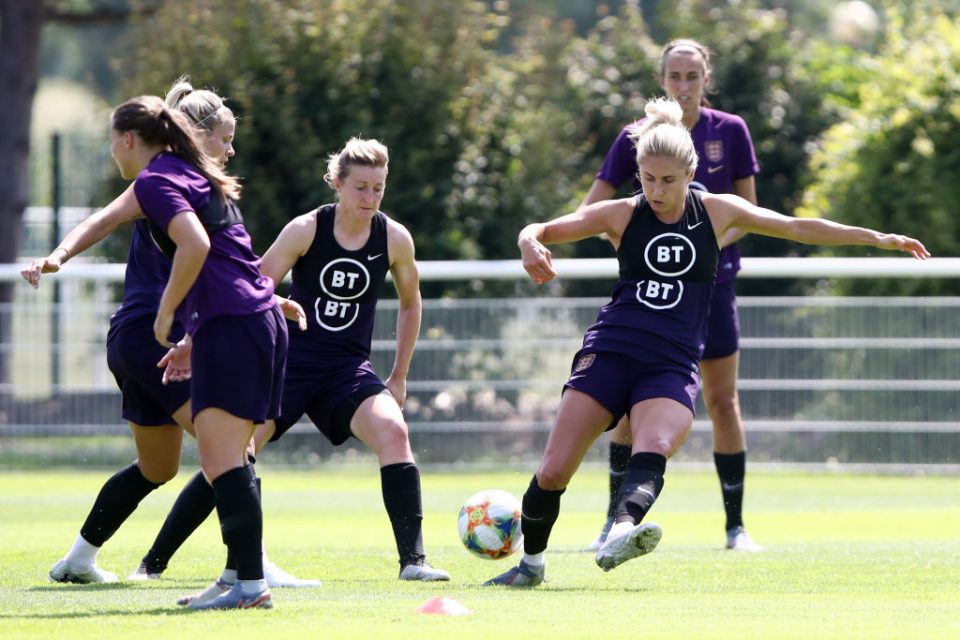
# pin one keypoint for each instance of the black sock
(732, 468)
(641, 486)
(540, 511)
(241, 520)
(118, 498)
(619, 457)
(191, 508)
(400, 484)
(231, 563)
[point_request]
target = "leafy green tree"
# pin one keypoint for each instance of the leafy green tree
(891, 163)
(305, 75)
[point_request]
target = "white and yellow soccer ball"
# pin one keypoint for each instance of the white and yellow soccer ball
(489, 524)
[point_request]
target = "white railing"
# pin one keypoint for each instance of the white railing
(586, 268)
(872, 379)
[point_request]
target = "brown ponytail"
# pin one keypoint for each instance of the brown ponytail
(159, 125)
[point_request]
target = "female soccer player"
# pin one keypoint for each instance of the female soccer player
(154, 410)
(227, 306)
(727, 165)
(340, 254)
(641, 356)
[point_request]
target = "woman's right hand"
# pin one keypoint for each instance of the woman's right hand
(537, 261)
(176, 363)
(50, 264)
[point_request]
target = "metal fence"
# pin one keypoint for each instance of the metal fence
(823, 380)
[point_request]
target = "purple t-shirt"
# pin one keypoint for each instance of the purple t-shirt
(229, 283)
(145, 277)
(725, 150)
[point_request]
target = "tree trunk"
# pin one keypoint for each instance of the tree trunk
(20, 25)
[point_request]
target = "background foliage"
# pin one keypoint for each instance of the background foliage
(892, 161)
(498, 113)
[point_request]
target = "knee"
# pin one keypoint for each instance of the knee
(722, 405)
(159, 472)
(550, 479)
(665, 444)
(393, 437)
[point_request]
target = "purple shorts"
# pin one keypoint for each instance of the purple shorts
(618, 382)
(328, 393)
(238, 365)
(132, 355)
(723, 326)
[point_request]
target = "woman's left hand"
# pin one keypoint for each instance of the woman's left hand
(906, 244)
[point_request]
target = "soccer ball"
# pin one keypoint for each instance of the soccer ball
(489, 524)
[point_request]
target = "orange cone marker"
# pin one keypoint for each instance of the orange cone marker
(444, 607)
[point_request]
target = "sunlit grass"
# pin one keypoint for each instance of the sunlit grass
(846, 556)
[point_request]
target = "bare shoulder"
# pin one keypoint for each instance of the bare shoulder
(304, 225)
(305, 222)
(615, 214)
(725, 204)
(399, 239)
(616, 206)
(299, 233)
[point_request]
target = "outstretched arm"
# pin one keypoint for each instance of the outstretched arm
(730, 212)
(746, 188)
(406, 278)
(608, 216)
(92, 230)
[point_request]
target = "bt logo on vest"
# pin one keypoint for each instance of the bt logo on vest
(342, 281)
(670, 254)
(659, 295)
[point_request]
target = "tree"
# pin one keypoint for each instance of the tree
(891, 163)
(305, 75)
(20, 24)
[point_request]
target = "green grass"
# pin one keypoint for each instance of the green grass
(846, 557)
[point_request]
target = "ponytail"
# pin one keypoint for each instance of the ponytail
(159, 125)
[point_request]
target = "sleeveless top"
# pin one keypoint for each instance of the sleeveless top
(339, 289)
(659, 306)
(723, 145)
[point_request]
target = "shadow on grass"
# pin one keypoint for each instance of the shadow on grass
(99, 613)
(99, 586)
(185, 585)
(548, 587)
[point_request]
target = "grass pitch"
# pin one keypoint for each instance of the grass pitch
(847, 556)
